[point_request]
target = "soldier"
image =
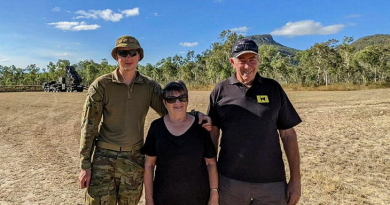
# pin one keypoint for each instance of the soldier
(118, 102)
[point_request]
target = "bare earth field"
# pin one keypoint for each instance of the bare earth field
(344, 142)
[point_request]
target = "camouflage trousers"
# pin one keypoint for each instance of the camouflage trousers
(117, 178)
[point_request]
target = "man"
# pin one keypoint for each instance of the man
(253, 112)
(118, 102)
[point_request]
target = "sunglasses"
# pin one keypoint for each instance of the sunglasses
(172, 99)
(124, 53)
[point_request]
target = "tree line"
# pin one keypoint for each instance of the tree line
(326, 63)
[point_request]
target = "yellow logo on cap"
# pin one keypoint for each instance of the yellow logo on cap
(262, 99)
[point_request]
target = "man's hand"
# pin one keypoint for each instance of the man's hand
(84, 178)
(206, 120)
(214, 197)
(293, 192)
(149, 202)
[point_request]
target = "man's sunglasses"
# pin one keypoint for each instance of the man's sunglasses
(124, 53)
(172, 99)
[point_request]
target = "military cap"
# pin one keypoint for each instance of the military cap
(127, 42)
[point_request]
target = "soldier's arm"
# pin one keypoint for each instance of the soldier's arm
(92, 114)
(157, 100)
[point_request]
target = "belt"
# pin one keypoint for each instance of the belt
(114, 147)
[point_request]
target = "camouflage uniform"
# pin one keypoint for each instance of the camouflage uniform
(120, 111)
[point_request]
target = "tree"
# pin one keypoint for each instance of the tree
(346, 52)
(324, 58)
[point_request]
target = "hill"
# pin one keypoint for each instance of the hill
(371, 40)
(266, 39)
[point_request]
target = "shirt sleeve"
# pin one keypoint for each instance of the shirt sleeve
(212, 110)
(90, 120)
(149, 147)
(288, 116)
(157, 100)
(209, 151)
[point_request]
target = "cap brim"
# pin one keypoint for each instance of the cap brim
(243, 52)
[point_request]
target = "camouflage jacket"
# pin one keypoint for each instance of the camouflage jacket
(115, 112)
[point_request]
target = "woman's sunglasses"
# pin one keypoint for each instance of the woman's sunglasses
(172, 99)
(124, 53)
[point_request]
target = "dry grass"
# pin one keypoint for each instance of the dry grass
(344, 143)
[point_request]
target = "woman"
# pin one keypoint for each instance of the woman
(183, 154)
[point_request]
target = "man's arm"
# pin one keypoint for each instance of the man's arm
(290, 144)
(211, 164)
(90, 120)
(215, 137)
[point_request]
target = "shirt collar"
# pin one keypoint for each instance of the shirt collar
(233, 79)
(116, 78)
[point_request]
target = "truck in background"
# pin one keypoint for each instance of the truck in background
(70, 83)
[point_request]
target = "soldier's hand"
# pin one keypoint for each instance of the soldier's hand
(205, 121)
(84, 178)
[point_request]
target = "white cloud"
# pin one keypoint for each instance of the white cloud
(307, 27)
(242, 29)
(63, 54)
(73, 26)
(188, 44)
(84, 27)
(4, 60)
(353, 16)
(155, 14)
(107, 15)
(131, 12)
(218, 1)
(56, 9)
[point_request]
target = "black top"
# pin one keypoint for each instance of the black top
(181, 175)
(249, 120)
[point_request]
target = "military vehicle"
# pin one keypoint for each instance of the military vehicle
(70, 83)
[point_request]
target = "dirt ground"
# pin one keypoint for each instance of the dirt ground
(344, 143)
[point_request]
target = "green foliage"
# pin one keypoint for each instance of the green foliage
(379, 39)
(328, 64)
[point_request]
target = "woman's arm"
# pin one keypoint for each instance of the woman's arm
(150, 163)
(213, 178)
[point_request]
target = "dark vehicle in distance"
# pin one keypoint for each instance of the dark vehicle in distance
(70, 83)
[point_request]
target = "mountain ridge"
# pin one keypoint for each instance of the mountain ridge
(267, 39)
(359, 44)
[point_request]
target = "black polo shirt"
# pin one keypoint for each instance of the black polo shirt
(249, 120)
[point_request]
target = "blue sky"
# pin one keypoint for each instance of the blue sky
(40, 31)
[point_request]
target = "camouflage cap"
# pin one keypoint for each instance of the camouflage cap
(127, 42)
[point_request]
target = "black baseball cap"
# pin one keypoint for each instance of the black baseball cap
(244, 46)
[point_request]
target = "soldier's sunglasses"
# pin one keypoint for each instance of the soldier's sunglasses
(172, 99)
(124, 53)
